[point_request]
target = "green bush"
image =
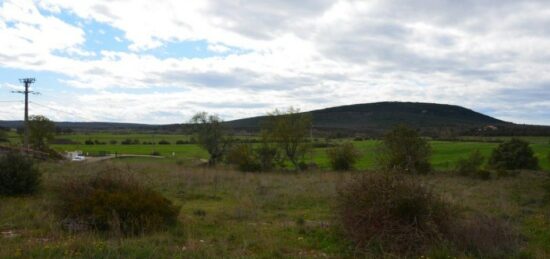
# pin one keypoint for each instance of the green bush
(390, 213)
(3, 135)
(18, 175)
(112, 201)
(513, 154)
(403, 150)
(268, 156)
(343, 157)
(243, 156)
(164, 142)
(470, 165)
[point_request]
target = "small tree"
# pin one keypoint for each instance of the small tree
(211, 135)
(403, 149)
(343, 157)
(289, 130)
(41, 132)
(513, 154)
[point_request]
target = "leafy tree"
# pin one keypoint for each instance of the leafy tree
(513, 154)
(343, 157)
(211, 135)
(41, 132)
(289, 131)
(403, 149)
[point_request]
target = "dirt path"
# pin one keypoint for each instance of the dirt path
(102, 158)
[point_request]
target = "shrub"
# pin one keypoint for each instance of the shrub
(112, 201)
(164, 142)
(267, 155)
(485, 237)
(180, 142)
(470, 165)
(113, 142)
(3, 135)
(402, 149)
(391, 213)
(513, 154)
(155, 153)
(18, 175)
(242, 155)
(130, 142)
(482, 174)
(343, 157)
(89, 142)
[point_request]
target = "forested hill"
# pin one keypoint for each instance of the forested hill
(368, 118)
(383, 115)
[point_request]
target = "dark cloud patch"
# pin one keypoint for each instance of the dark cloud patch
(522, 94)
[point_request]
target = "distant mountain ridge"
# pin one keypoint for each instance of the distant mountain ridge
(368, 119)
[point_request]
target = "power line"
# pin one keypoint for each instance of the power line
(58, 110)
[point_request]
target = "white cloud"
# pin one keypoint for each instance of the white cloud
(309, 54)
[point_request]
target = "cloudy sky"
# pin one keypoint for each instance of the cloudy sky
(161, 61)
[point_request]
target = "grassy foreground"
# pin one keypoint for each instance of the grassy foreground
(231, 214)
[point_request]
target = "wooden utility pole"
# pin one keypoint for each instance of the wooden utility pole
(27, 82)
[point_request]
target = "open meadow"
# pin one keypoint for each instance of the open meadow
(225, 213)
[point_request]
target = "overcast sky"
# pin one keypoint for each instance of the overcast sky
(161, 61)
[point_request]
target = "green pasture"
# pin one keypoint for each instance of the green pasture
(445, 154)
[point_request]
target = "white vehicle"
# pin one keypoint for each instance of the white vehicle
(78, 158)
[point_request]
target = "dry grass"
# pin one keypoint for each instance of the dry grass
(264, 215)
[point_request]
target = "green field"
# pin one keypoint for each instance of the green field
(444, 156)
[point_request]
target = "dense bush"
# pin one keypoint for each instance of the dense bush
(18, 175)
(3, 135)
(485, 237)
(164, 142)
(393, 214)
(513, 154)
(471, 165)
(268, 156)
(130, 142)
(112, 201)
(343, 157)
(89, 142)
(113, 142)
(180, 142)
(402, 149)
(244, 157)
